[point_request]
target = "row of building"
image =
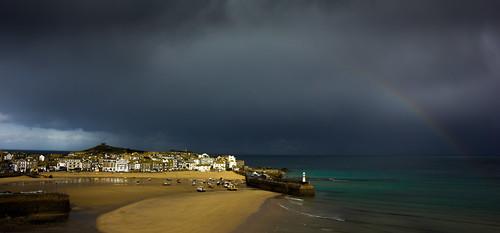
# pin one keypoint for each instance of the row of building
(126, 162)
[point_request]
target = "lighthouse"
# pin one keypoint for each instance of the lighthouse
(303, 177)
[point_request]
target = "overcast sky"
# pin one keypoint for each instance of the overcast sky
(252, 77)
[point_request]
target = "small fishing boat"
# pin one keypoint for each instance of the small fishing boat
(232, 188)
(201, 189)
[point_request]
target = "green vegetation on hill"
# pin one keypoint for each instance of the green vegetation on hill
(104, 148)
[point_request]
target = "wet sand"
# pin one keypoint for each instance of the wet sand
(16, 179)
(120, 204)
(264, 220)
(187, 212)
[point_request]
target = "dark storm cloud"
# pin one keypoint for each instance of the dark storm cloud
(256, 76)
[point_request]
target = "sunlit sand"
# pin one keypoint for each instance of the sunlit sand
(149, 206)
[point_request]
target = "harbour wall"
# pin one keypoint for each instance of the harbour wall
(290, 187)
(26, 204)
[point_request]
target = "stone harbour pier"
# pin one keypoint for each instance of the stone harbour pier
(300, 188)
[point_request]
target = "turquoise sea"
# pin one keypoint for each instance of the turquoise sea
(388, 194)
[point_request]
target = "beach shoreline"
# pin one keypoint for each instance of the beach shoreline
(147, 203)
(172, 174)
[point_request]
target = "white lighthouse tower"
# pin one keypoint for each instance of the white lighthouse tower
(303, 177)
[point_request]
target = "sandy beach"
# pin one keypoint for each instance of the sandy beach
(187, 212)
(138, 202)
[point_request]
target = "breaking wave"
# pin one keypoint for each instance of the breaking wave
(312, 215)
(294, 198)
(296, 201)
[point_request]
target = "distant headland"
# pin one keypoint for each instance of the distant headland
(105, 148)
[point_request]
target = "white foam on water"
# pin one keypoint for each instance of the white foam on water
(284, 207)
(294, 198)
(296, 203)
(312, 215)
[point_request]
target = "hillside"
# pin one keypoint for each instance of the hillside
(104, 148)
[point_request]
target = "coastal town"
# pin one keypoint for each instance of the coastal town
(104, 177)
(105, 158)
(46, 187)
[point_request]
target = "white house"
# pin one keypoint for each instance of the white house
(9, 156)
(61, 164)
(189, 165)
(219, 165)
(203, 167)
(206, 160)
(194, 160)
(121, 165)
(20, 165)
(231, 161)
(136, 166)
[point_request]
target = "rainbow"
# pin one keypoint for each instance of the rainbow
(412, 107)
